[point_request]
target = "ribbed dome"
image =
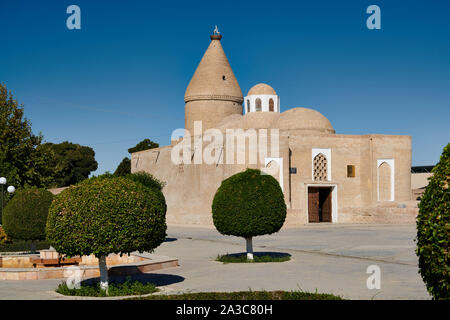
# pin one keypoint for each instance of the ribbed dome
(304, 120)
(261, 88)
(214, 79)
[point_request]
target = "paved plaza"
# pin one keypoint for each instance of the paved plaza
(324, 258)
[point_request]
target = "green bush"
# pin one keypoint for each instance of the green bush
(4, 238)
(26, 214)
(249, 204)
(104, 215)
(145, 144)
(127, 288)
(24, 245)
(146, 179)
(123, 168)
(433, 229)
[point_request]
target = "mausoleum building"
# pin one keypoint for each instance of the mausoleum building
(325, 176)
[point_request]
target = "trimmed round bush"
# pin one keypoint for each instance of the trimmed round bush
(25, 215)
(107, 215)
(146, 179)
(433, 228)
(104, 215)
(249, 204)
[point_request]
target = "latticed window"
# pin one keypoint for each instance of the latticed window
(320, 168)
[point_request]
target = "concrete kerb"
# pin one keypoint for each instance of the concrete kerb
(162, 291)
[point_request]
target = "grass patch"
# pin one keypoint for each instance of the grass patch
(257, 257)
(244, 295)
(127, 288)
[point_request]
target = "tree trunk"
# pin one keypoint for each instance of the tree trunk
(103, 273)
(249, 248)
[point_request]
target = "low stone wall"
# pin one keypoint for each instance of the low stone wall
(16, 261)
(111, 260)
(143, 264)
(381, 215)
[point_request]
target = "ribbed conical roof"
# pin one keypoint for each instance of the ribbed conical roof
(214, 79)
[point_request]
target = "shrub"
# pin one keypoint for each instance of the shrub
(123, 168)
(433, 228)
(24, 245)
(3, 237)
(104, 215)
(25, 215)
(146, 179)
(126, 288)
(145, 144)
(249, 204)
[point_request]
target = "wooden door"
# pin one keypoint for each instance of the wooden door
(313, 204)
(326, 206)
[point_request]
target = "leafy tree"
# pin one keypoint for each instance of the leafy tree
(21, 163)
(147, 180)
(124, 168)
(25, 216)
(72, 162)
(433, 228)
(249, 204)
(144, 145)
(104, 215)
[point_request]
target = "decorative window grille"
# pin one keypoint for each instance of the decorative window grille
(320, 168)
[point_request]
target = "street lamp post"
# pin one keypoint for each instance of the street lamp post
(10, 189)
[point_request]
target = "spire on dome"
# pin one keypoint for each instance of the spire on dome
(214, 79)
(216, 34)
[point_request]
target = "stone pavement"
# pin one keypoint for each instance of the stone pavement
(327, 258)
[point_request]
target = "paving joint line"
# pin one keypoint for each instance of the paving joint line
(307, 251)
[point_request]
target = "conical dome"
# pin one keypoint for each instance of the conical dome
(214, 79)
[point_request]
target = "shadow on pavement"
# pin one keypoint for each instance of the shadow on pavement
(158, 279)
(262, 254)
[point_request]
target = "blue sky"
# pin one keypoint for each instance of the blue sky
(122, 77)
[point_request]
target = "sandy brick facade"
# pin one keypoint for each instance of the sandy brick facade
(379, 191)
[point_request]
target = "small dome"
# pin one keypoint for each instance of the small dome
(261, 88)
(304, 120)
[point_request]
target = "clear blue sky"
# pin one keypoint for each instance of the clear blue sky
(122, 77)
